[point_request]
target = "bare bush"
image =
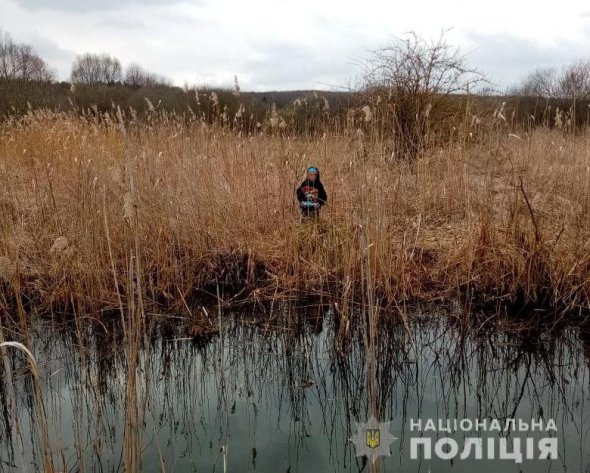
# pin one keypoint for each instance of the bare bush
(575, 81)
(137, 76)
(96, 69)
(571, 82)
(542, 82)
(413, 77)
(20, 61)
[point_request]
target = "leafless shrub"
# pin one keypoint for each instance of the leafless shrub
(408, 80)
(575, 81)
(572, 82)
(541, 82)
(20, 61)
(137, 76)
(96, 69)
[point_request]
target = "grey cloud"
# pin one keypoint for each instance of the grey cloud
(289, 65)
(84, 5)
(187, 44)
(507, 58)
(120, 23)
(274, 65)
(50, 50)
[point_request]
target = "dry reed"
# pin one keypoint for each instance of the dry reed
(495, 215)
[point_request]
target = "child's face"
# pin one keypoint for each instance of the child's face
(311, 176)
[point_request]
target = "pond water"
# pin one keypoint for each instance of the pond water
(283, 395)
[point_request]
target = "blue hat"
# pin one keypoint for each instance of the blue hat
(312, 169)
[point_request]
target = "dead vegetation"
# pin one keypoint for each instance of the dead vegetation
(495, 215)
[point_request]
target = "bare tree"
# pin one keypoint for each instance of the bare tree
(542, 82)
(574, 83)
(413, 65)
(20, 61)
(416, 76)
(137, 76)
(96, 69)
(571, 82)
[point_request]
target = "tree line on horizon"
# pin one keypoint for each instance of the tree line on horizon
(19, 61)
(416, 91)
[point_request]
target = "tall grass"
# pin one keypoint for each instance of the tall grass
(39, 405)
(494, 214)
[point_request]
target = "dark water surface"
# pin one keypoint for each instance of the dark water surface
(286, 399)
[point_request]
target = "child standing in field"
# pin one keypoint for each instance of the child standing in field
(311, 193)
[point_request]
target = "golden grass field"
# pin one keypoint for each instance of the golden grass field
(202, 205)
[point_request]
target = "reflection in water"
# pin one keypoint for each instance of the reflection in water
(282, 395)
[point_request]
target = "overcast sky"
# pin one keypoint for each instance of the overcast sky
(295, 44)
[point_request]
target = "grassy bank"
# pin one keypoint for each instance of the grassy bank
(494, 215)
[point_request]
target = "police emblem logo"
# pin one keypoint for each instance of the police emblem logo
(373, 438)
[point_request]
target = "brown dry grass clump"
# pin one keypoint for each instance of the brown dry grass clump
(501, 217)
